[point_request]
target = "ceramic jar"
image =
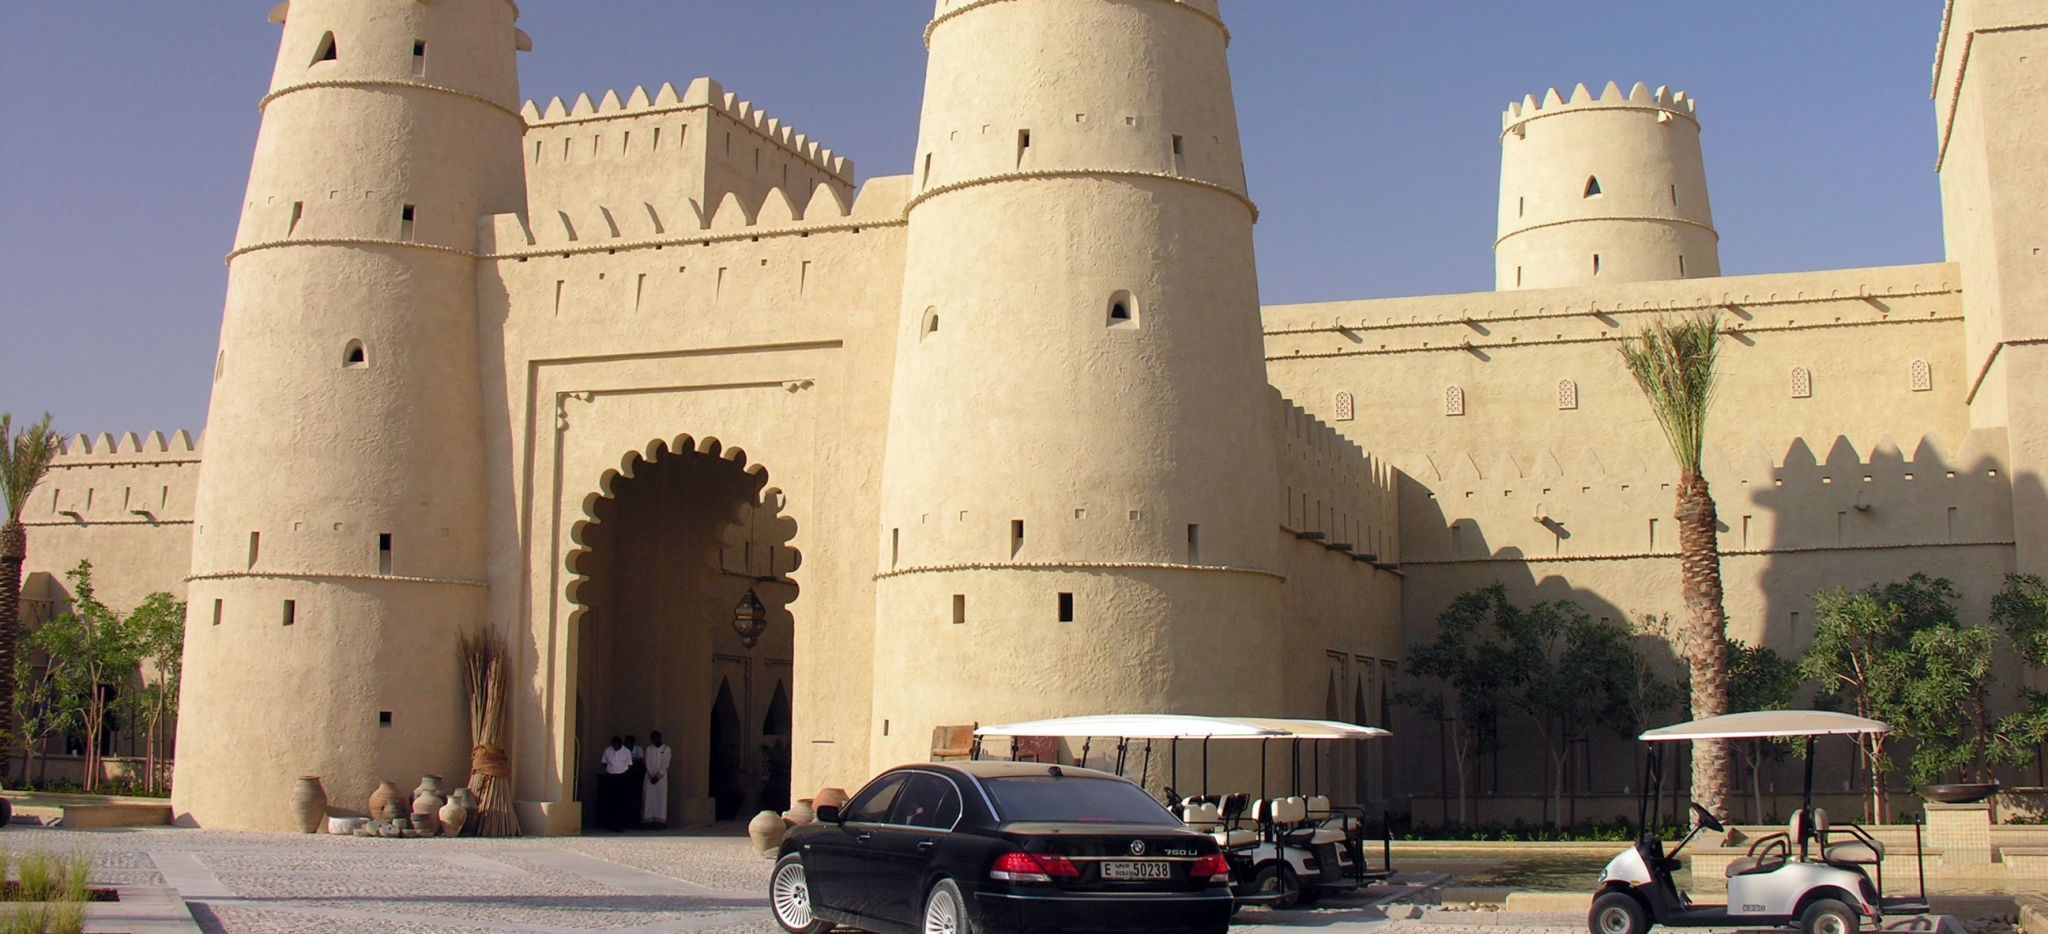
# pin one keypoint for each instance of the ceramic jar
(767, 831)
(801, 813)
(309, 803)
(427, 802)
(387, 802)
(453, 817)
(467, 798)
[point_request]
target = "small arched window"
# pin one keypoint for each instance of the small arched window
(1923, 376)
(326, 51)
(1567, 395)
(1454, 401)
(1592, 186)
(1123, 310)
(354, 357)
(930, 325)
(1802, 383)
(1347, 407)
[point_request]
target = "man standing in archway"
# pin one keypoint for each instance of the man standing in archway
(613, 792)
(654, 792)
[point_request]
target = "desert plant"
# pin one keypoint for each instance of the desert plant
(1673, 363)
(25, 457)
(1759, 679)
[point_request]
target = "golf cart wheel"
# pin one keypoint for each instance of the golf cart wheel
(1618, 913)
(1278, 878)
(1828, 916)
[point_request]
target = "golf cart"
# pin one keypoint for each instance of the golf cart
(1814, 875)
(1281, 850)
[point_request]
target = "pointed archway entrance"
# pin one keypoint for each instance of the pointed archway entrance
(681, 539)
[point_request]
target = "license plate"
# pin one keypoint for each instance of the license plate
(1125, 871)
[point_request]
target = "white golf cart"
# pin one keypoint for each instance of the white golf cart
(1281, 850)
(1812, 874)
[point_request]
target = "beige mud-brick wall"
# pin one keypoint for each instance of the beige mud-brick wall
(772, 338)
(665, 161)
(124, 505)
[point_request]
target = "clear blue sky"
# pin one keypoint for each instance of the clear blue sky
(1370, 126)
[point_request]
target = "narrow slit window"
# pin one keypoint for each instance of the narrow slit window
(419, 58)
(1521, 207)
(930, 325)
(1023, 145)
(405, 221)
(291, 612)
(959, 609)
(298, 213)
(927, 169)
(255, 547)
(1674, 196)
(1593, 187)
(384, 552)
(1596, 264)
(1194, 544)
(1016, 537)
(354, 356)
(1066, 608)
(326, 51)
(1681, 264)
(216, 612)
(1180, 155)
(895, 547)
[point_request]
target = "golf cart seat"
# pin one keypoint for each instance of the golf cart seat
(1230, 832)
(1770, 851)
(1865, 852)
(1331, 826)
(1201, 816)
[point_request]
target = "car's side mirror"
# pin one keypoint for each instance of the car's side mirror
(829, 814)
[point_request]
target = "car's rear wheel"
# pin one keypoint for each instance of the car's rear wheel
(1828, 916)
(1617, 913)
(945, 910)
(1276, 878)
(789, 893)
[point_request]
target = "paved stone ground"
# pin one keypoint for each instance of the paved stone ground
(713, 884)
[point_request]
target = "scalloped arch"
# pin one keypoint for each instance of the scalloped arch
(629, 463)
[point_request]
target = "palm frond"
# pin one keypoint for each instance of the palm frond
(1673, 361)
(25, 457)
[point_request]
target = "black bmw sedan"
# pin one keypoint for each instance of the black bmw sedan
(1000, 846)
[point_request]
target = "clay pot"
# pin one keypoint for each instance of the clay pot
(800, 814)
(427, 802)
(309, 803)
(831, 797)
(387, 802)
(453, 817)
(467, 798)
(429, 785)
(767, 831)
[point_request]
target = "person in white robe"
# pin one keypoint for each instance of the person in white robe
(654, 802)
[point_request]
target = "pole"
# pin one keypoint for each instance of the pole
(1205, 766)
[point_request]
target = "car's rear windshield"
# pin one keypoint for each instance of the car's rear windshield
(1072, 799)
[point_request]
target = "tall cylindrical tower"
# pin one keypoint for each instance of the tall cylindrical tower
(1606, 190)
(338, 546)
(1079, 502)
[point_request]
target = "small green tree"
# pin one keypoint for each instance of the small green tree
(2020, 610)
(1759, 679)
(1574, 674)
(43, 702)
(1862, 658)
(96, 651)
(157, 627)
(1467, 676)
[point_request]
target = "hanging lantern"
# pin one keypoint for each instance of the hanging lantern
(750, 619)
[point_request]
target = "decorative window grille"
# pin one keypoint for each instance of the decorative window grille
(1923, 376)
(1346, 407)
(1567, 395)
(1454, 401)
(1802, 383)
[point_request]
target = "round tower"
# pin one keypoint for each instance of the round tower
(338, 548)
(1080, 489)
(1612, 189)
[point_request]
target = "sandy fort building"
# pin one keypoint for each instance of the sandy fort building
(1004, 436)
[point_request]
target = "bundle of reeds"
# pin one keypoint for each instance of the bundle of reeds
(487, 679)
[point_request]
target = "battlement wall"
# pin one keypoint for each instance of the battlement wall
(1336, 495)
(126, 505)
(589, 226)
(1639, 97)
(702, 144)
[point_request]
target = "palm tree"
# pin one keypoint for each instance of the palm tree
(1673, 362)
(24, 458)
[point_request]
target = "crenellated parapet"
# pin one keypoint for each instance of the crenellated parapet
(104, 480)
(703, 94)
(1335, 494)
(1612, 504)
(622, 226)
(1639, 97)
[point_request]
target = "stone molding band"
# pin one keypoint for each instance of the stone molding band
(1618, 310)
(1725, 552)
(378, 84)
(1637, 218)
(317, 576)
(1077, 566)
(705, 237)
(1496, 345)
(1040, 174)
(1955, 95)
(82, 523)
(973, 5)
(1984, 371)
(349, 241)
(1591, 106)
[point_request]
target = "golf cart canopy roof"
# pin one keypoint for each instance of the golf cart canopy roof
(1177, 726)
(1765, 724)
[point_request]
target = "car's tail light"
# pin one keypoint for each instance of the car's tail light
(1033, 867)
(1212, 867)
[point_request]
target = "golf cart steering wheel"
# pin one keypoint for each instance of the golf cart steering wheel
(1706, 818)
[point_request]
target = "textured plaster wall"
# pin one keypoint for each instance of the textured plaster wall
(124, 505)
